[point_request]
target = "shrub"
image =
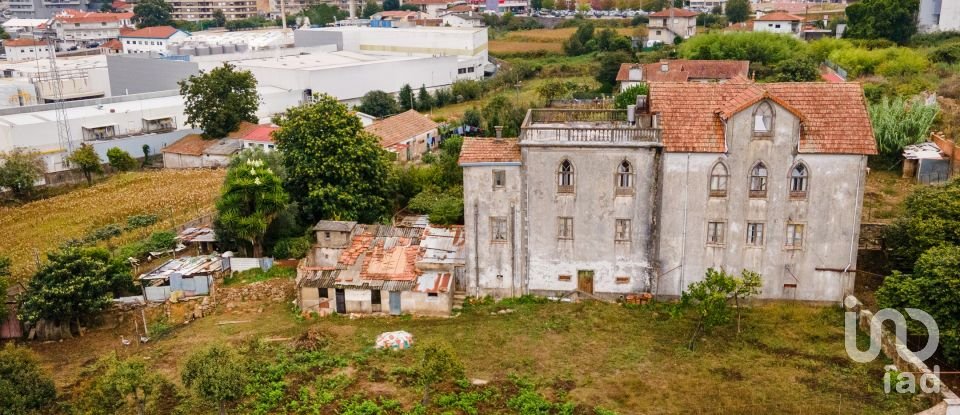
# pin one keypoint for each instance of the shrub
(466, 90)
(898, 123)
(821, 49)
(758, 47)
(120, 160)
(140, 221)
(291, 247)
(629, 96)
(949, 53)
(900, 62)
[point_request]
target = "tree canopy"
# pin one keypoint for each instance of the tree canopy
(882, 19)
(20, 170)
(738, 10)
(335, 169)
(120, 160)
(405, 98)
(629, 96)
(24, 387)
(251, 197)
(148, 13)
(217, 101)
(216, 374)
(710, 299)
(378, 104)
(87, 160)
(76, 283)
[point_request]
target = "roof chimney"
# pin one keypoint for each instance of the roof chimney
(499, 129)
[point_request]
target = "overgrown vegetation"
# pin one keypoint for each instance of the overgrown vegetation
(711, 298)
(898, 123)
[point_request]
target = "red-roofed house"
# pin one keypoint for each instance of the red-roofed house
(682, 70)
(668, 24)
(778, 22)
(734, 175)
(84, 29)
(150, 39)
(25, 49)
(260, 137)
(409, 134)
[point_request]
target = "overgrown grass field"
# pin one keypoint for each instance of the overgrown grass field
(538, 40)
(173, 196)
(540, 358)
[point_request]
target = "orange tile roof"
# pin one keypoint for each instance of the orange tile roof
(393, 130)
(674, 12)
(780, 17)
(261, 133)
(112, 44)
(680, 70)
(624, 73)
(489, 150)
(155, 32)
(195, 144)
(422, 2)
(460, 8)
(76, 16)
(834, 115)
(23, 42)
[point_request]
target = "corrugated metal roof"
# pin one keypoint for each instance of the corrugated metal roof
(186, 266)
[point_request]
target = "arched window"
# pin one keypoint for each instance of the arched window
(624, 175)
(565, 177)
(763, 119)
(718, 180)
(758, 180)
(799, 178)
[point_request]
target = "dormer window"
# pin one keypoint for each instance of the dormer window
(763, 119)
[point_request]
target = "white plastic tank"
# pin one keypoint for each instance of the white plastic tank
(216, 49)
(203, 50)
(188, 50)
(243, 47)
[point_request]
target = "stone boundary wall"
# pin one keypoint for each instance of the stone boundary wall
(947, 401)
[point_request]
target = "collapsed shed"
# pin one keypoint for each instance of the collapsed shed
(181, 278)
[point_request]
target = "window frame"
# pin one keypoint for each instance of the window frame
(501, 177)
(803, 179)
(789, 241)
(566, 176)
(771, 124)
(565, 232)
(760, 191)
(752, 230)
(620, 176)
(495, 222)
(716, 230)
(627, 234)
(723, 179)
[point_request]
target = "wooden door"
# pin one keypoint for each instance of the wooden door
(459, 279)
(341, 301)
(585, 281)
(395, 303)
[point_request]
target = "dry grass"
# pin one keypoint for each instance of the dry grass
(173, 195)
(513, 46)
(538, 40)
(884, 193)
(789, 359)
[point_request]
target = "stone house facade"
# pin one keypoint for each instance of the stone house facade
(736, 175)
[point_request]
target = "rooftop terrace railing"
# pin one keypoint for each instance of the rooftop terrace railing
(586, 125)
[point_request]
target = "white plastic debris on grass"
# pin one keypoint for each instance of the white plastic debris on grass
(396, 340)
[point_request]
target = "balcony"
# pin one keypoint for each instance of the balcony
(589, 126)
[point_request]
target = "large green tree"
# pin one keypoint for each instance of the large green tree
(335, 169)
(405, 98)
(219, 18)
(75, 284)
(370, 8)
(931, 218)
(87, 160)
(24, 387)
(609, 66)
(378, 104)
(19, 171)
(251, 197)
(738, 10)
(216, 374)
(882, 19)
(217, 101)
(149, 13)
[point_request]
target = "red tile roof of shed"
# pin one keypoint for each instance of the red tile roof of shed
(489, 150)
(397, 128)
(261, 133)
(673, 12)
(834, 115)
(155, 32)
(679, 70)
(780, 17)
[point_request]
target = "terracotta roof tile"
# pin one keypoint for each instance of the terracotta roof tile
(780, 17)
(489, 150)
(77, 16)
(112, 44)
(155, 32)
(681, 70)
(834, 115)
(260, 133)
(23, 42)
(673, 12)
(624, 73)
(393, 130)
(195, 145)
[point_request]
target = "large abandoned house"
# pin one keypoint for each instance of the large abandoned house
(765, 177)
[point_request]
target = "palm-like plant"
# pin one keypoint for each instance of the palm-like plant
(251, 198)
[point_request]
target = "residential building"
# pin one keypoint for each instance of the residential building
(193, 151)
(151, 39)
(734, 175)
(939, 15)
(25, 49)
(433, 7)
(468, 45)
(668, 24)
(779, 22)
(88, 29)
(355, 268)
(469, 19)
(44, 9)
(18, 27)
(409, 135)
(681, 70)
(706, 6)
(397, 18)
(260, 137)
(197, 10)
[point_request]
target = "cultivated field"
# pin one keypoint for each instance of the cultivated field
(789, 359)
(175, 196)
(538, 40)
